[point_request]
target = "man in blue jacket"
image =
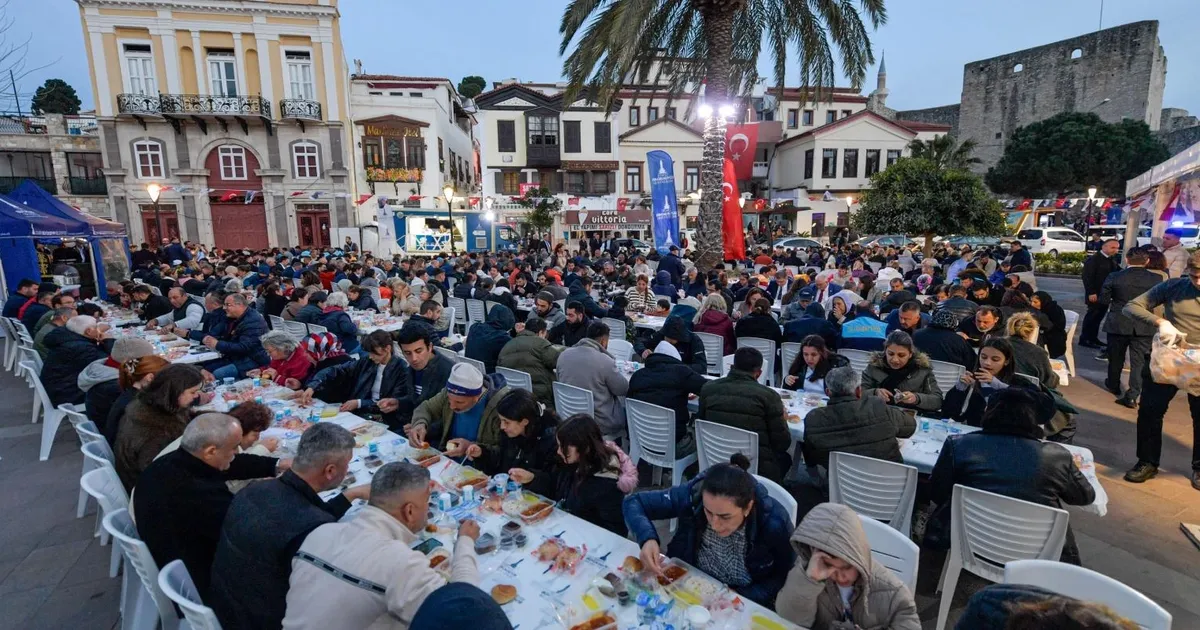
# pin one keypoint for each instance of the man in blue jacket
(671, 264)
(240, 342)
(581, 291)
(26, 291)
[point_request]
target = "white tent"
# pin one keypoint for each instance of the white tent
(1160, 181)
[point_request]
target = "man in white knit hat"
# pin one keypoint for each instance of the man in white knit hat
(462, 414)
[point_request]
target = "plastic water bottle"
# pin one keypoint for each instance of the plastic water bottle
(278, 417)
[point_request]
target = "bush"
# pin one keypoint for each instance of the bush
(1049, 265)
(1065, 257)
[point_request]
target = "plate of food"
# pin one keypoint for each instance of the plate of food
(439, 560)
(527, 506)
(468, 477)
(425, 457)
(294, 423)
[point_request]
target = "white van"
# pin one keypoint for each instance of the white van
(1052, 240)
(1190, 238)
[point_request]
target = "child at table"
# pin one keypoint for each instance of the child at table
(591, 474)
(527, 448)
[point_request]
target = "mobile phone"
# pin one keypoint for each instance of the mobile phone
(427, 545)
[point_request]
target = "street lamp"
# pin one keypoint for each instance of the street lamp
(448, 195)
(489, 215)
(705, 111)
(154, 190)
(726, 111)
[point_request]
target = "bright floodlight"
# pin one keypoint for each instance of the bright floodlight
(1091, 193)
(448, 193)
(705, 111)
(489, 216)
(726, 111)
(154, 190)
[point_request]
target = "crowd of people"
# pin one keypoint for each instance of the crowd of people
(261, 553)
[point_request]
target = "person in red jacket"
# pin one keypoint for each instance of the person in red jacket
(712, 319)
(291, 364)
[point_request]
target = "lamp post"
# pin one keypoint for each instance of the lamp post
(448, 195)
(1091, 204)
(154, 190)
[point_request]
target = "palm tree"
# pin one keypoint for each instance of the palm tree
(946, 152)
(714, 43)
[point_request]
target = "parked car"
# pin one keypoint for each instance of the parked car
(792, 242)
(886, 240)
(975, 242)
(641, 246)
(1052, 240)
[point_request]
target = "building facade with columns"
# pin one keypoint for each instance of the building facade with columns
(239, 110)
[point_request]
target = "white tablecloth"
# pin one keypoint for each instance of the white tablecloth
(171, 350)
(370, 321)
(652, 322)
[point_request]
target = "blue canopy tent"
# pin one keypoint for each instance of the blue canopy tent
(107, 240)
(20, 225)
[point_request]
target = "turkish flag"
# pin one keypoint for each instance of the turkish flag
(760, 205)
(740, 144)
(229, 196)
(1025, 204)
(731, 216)
(622, 203)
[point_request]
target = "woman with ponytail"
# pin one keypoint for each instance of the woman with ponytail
(729, 527)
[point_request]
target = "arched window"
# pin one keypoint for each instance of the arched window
(306, 160)
(149, 158)
(1017, 68)
(1077, 53)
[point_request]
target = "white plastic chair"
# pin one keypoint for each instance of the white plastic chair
(296, 329)
(478, 364)
(32, 356)
(1072, 320)
(788, 352)
(893, 550)
(858, 358)
(620, 349)
(475, 311)
(314, 329)
(946, 374)
(138, 611)
(516, 378)
(51, 416)
(276, 322)
(448, 353)
(785, 498)
(86, 430)
(459, 315)
(177, 585)
(11, 340)
(570, 400)
(767, 348)
(652, 438)
(716, 442)
(616, 327)
(989, 530)
(102, 484)
(882, 490)
(1088, 585)
(1037, 382)
(714, 349)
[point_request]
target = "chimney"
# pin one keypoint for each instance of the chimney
(358, 66)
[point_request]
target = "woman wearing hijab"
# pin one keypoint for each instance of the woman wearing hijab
(1055, 337)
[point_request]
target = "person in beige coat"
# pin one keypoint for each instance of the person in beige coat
(836, 583)
(363, 572)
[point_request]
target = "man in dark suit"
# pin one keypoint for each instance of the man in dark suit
(1096, 270)
(1123, 331)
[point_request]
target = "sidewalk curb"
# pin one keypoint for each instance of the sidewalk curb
(1054, 275)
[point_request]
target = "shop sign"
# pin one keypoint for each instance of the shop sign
(607, 218)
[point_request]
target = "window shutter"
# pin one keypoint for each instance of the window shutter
(506, 140)
(571, 136)
(612, 182)
(499, 182)
(603, 137)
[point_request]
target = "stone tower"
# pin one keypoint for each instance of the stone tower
(877, 100)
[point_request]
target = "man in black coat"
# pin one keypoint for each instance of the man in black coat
(666, 381)
(152, 306)
(427, 371)
(268, 521)
(675, 332)
(940, 341)
(69, 350)
(1020, 256)
(958, 304)
(26, 291)
(182, 498)
(574, 328)
(1096, 270)
(358, 384)
(1124, 332)
(671, 264)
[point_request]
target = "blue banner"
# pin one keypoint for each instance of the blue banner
(664, 211)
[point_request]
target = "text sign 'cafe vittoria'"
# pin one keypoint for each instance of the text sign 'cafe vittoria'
(636, 218)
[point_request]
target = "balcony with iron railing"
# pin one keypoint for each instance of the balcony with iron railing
(8, 183)
(300, 109)
(88, 185)
(192, 105)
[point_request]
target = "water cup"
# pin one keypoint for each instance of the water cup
(372, 449)
(500, 480)
(228, 381)
(257, 382)
(468, 493)
(445, 501)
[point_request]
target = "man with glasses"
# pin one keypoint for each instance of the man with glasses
(1180, 302)
(239, 341)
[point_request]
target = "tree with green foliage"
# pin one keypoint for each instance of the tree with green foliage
(55, 97)
(471, 86)
(687, 44)
(915, 196)
(1073, 151)
(945, 151)
(542, 205)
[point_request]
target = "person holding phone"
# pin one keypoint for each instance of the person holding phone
(902, 376)
(996, 372)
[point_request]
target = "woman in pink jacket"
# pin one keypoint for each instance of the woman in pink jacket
(712, 319)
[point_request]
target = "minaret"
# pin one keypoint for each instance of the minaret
(877, 100)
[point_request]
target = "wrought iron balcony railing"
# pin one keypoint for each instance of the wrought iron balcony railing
(88, 186)
(215, 105)
(139, 104)
(299, 108)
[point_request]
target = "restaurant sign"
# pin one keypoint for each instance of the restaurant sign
(608, 219)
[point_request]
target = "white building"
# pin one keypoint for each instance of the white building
(412, 137)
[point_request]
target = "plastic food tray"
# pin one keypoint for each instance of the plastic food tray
(425, 457)
(521, 505)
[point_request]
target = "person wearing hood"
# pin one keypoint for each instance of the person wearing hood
(335, 319)
(1009, 457)
(835, 579)
(940, 341)
(729, 527)
(713, 318)
(463, 414)
(580, 291)
(1055, 337)
(840, 307)
(485, 342)
(527, 450)
(813, 322)
(572, 329)
(664, 287)
(375, 383)
(675, 331)
(901, 375)
(545, 308)
(667, 382)
(497, 292)
(588, 365)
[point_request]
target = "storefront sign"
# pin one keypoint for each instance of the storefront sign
(608, 219)
(390, 132)
(588, 165)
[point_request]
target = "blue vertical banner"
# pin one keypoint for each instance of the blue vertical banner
(664, 210)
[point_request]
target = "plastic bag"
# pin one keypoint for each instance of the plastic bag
(1176, 364)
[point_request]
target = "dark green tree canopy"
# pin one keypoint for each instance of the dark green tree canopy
(55, 97)
(471, 86)
(915, 196)
(1071, 152)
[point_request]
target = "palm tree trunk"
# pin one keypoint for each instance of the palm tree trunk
(718, 31)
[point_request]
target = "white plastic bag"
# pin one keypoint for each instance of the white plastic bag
(1177, 364)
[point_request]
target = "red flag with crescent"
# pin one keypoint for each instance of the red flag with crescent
(740, 144)
(731, 215)
(622, 203)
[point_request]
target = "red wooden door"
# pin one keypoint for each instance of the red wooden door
(239, 225)
(313, 229)
(170, 225)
